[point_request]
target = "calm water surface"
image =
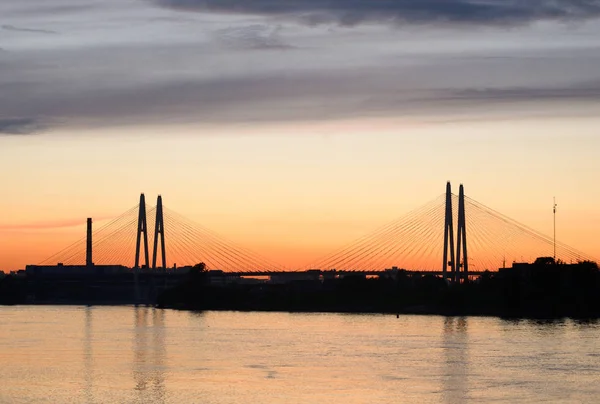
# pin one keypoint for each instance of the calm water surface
(52, 354)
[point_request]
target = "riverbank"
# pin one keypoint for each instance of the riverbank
(543, 291)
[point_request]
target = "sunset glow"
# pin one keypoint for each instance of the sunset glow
(291, 139)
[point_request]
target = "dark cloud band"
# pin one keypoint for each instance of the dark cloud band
(352, 12)
(19, 126)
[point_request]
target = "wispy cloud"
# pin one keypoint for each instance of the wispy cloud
(47, 225)
(30, 30)
(255, 36)
(352, 12)
(581, 92)
(19, 126)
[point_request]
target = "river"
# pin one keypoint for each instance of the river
(77, 354)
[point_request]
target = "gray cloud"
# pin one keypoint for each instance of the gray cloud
(589, 91)
(298, 96)
(352, 12)
(30, 30)
(19, 126)
(146, 67)
(256, 36)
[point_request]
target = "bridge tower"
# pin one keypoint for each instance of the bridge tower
(448, 236)
(142, 229)
(461, 240)
(159, 230)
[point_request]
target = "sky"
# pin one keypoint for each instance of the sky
(293, 128)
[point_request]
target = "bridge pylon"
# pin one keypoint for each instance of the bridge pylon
(142, 228)
(449, 237)
(461, 240)
(159, 230)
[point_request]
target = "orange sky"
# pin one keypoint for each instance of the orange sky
(294, 193)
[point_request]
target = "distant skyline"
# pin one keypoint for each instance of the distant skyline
(294, 128)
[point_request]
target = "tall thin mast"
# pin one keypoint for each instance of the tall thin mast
(554, 211)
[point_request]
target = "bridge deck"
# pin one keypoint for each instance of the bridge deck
(323, 273)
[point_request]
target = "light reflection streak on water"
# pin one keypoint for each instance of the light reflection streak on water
(149, 354)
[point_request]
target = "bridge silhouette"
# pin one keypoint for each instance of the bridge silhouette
(422, 240)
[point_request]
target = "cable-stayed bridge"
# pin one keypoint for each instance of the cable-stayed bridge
(452, 235)
(138, 237)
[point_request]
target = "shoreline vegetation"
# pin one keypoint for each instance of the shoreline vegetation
(544, 289)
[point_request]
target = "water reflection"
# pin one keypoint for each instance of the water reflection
(554, 322)
(197, 314)
(149, 355)
(88, 357)
(224, 357)
(455, 369)
(585, 322)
